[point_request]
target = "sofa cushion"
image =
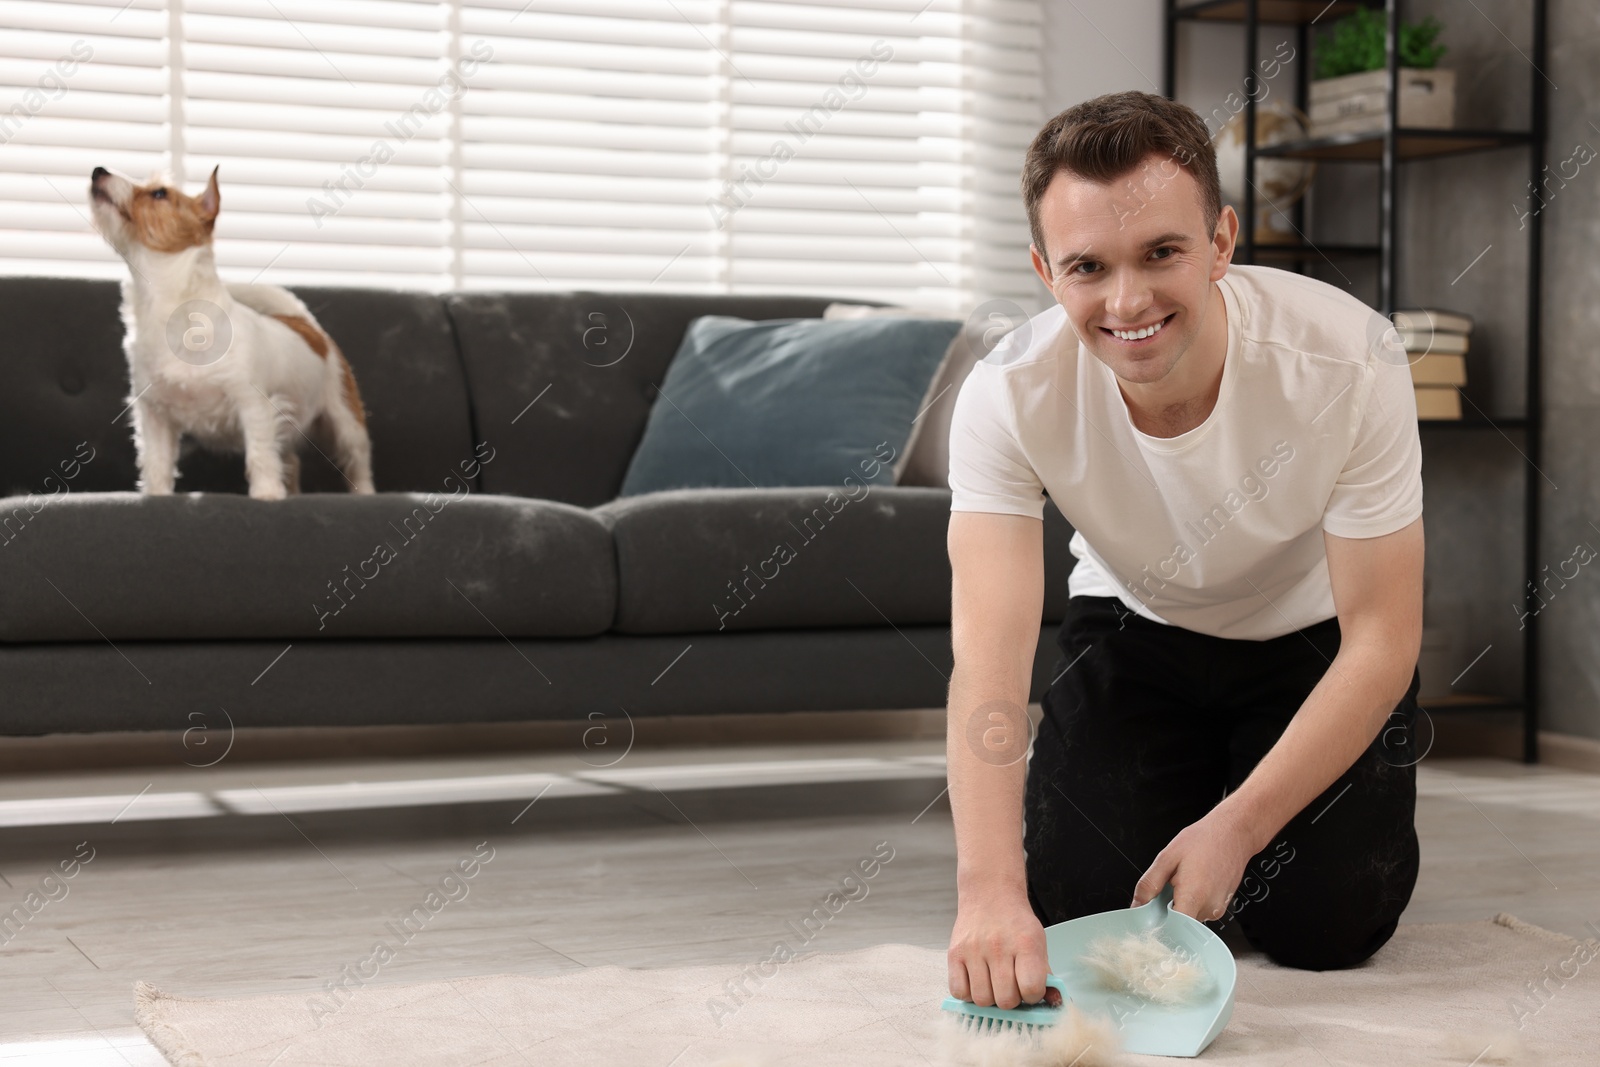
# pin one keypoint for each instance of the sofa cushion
(787, 402)
(699, 560)
(562, 383)
(927, 460)
(64, 382)
(122, 566)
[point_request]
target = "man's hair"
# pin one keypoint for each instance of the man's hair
(1101, 140)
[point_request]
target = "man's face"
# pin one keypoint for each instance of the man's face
(1131, 255)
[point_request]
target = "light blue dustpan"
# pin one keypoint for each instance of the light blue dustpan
(1145, 1027)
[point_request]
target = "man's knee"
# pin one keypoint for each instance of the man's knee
(1310, 948)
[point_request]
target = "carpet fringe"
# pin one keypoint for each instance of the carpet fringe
(1511, 922)
(148, 1004)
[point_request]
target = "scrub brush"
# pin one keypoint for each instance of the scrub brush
(1024, 1018)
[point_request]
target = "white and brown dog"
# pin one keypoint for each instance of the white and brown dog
(237, 367)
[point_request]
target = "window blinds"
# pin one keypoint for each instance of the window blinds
(854, 148)
(907, 122)
(81, 85)
(334, 155)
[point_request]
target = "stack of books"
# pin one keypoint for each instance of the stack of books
(1436, 346)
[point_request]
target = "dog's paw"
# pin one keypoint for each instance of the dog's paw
(268, 491)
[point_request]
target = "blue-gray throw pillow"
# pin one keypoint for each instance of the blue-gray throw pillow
(788, 402)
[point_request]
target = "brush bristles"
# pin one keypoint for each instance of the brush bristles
(980, 1024)
(1074, 1039)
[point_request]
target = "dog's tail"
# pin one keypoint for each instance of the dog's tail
(346, 417)
(270, 300)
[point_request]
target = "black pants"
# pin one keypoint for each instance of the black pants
(1147, 728)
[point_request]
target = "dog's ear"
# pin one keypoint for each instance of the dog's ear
(211, 199)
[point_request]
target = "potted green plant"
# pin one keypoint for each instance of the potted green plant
(1350, 90)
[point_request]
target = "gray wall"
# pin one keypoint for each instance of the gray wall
(1100, 46)
(1570, 663)
(1452, 210)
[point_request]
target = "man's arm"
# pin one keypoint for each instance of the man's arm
(1377, 592)
(997, 949)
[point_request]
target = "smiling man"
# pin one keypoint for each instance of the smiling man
(1236, 449)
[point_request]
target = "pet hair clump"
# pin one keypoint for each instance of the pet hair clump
(1079, 1039)
(1144, 966)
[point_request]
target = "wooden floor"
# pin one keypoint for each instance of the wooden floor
(221, 904)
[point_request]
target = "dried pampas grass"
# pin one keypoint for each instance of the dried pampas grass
(1078, 1040)
(1143, 965)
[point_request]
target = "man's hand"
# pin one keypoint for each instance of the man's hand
(1204, 863)
(997, 952)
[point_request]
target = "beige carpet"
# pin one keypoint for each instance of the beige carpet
(1436, 994)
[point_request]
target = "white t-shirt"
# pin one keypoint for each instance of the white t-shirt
(1219, 529)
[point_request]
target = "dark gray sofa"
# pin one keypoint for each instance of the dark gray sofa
(521, 588)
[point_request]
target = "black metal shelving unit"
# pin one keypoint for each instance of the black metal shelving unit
(1389, 149)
